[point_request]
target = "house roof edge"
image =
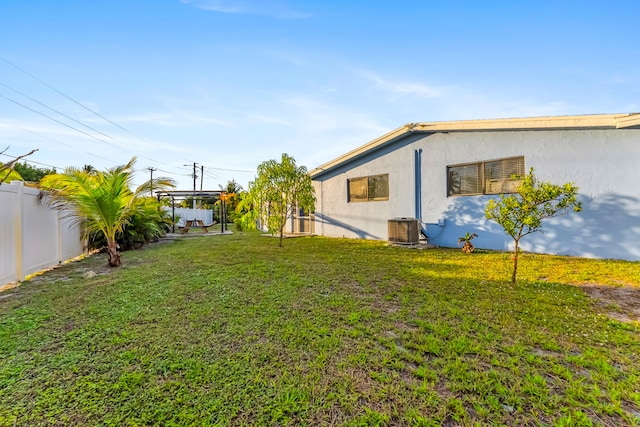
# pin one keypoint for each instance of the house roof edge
(574, 122)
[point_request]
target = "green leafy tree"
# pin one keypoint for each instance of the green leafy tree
(201, 202)
(102, 201)
(232, 187)
(279, 189)
(231, 197)
(522, 213)
(246, 215)
(30, 173)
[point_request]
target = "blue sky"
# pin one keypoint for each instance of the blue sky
(229, 84)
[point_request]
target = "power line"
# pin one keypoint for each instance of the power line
(216, 176)
(56, 141)
(162, 170)
(58, 121)
(71, 99)
(55, 111)
(32, 161)
(59, 92)
(233, 170)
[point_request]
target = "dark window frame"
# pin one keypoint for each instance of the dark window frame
(365, 190)
(484, 183)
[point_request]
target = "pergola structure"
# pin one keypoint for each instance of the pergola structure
(179, 194)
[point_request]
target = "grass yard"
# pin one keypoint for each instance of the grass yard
(232, 330)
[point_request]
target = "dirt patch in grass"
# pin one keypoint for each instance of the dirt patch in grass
(621, 302)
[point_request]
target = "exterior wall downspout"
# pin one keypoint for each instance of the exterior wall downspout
(418, 189)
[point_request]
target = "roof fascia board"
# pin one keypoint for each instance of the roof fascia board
(354, 154)
(628, 121)
(583, 122)
(599, 121)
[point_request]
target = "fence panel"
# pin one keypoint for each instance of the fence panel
(72, 244)
(32, 235)
(187, 214)
(39, 233)
(9, 230)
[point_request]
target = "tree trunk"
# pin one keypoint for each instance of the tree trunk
(281, 234)
(115, 258)
(515, 263)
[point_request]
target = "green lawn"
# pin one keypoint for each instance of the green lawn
(232, 330)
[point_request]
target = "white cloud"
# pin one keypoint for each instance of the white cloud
(274, 8)
(271, 120)
(287, 57)
(176, 119)
(401, 87)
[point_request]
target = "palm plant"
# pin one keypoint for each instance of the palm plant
(147, 223)
(467, 247)
(102, 202)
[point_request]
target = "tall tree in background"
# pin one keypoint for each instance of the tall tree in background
(279, 189)
(522, 213)
(31, 173)
(232, 196)
(232, 187)
(102, 201)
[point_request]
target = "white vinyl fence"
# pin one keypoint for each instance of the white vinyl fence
(186, 214)
(32, 236)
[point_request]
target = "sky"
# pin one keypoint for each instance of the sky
(229, 84)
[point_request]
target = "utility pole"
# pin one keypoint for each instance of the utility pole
(194, 184)
(151, 169)
(201, 179)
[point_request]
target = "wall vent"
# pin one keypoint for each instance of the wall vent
(404, 230)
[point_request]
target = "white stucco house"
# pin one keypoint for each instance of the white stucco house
(443, 174)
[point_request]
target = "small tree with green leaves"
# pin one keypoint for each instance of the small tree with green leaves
(279, 189)
(522, 213)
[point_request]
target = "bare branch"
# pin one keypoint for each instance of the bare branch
(9, 165)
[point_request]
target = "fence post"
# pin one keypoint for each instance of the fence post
(59, 236)
(18, 225)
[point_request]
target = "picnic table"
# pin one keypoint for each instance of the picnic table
(194, 223)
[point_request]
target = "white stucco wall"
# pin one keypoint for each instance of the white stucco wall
(336, 217)
(603, 163)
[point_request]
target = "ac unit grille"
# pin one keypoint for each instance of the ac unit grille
(403, 230)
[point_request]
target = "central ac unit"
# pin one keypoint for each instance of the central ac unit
(404, 230)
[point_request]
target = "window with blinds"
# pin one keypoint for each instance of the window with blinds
(489, 177)
(368, 188)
